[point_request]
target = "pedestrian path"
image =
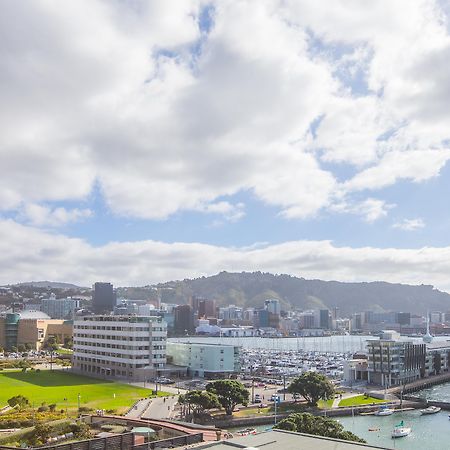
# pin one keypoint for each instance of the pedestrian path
(160, 408)
(338, 399)
(138, 408)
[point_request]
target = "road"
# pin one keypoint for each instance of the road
(160, 408)
(138, 409)
(170, 388)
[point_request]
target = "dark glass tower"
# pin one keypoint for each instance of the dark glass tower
(104, 298)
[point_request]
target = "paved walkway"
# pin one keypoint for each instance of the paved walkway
(160, 408)
(170, 388)
(337, 400)
(138, 408)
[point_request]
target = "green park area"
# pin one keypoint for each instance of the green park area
(63, 389)
(360, 400)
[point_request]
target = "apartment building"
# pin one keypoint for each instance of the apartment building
(394, 361)
(59, 308)
(126, 347)
(205, 360)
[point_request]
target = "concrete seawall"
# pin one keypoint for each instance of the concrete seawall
(420, 384)
(335, 412)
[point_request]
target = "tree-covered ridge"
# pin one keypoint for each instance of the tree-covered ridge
(251, 289)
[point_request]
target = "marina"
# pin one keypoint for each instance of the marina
(325, 344)
(290, 363)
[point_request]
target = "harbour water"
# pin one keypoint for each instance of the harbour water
(428, 432)
(326, 344)
(431, 432)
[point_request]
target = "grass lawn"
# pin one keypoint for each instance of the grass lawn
(325, 404)
(281, 409)
(64, 351)
(360, 400)
(53, 386)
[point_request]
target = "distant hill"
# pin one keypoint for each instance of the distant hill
(251, 289)
(48, 285)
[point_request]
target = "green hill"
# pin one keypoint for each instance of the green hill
(251, 289)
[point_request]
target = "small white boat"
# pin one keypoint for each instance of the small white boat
(430, 410)
(247, 432)
(400, 431)
(384, 411)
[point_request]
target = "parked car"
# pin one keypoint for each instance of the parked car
(164, 380)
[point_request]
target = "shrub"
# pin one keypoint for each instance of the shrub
(85, 409)
(18, 400)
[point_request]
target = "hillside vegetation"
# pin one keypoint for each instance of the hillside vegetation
(251, 289)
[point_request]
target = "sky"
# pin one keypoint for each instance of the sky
(145, 141)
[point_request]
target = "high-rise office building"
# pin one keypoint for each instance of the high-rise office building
(272, 305)
(324, 319)
(207, 308)
(184, 320)
(103, 298)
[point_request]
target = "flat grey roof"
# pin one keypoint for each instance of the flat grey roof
(287, 440)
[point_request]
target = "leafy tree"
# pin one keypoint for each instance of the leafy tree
(313, 387)
(51, 343)
(201, 400)
(316, 425)
(28, 346)
(21, 348)
(41, 433)
(68, 342)
(229, 393)
(19, 400)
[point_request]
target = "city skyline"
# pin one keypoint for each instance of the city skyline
(144, 142)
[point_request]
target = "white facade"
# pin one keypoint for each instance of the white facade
(129, 347)
(355, 370)
(205, 360)
(204, 327)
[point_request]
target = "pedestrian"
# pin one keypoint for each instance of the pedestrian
(164, 399)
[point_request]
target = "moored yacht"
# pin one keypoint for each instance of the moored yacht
(430, 410)
(400, 430)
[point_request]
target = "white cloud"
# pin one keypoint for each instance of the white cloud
(229, 211)
(165, 117)
(409, 224)
(30, 254)
(415, 165)
(44, 216)
(370, 209)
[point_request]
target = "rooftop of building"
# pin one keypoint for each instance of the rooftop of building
(30, 314)
(119, 318)
(202, 344)
(283, 440)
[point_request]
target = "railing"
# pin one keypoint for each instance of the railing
(178, 441)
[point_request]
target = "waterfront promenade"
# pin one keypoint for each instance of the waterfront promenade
(418, 384)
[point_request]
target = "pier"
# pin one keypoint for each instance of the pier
(420, 384)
